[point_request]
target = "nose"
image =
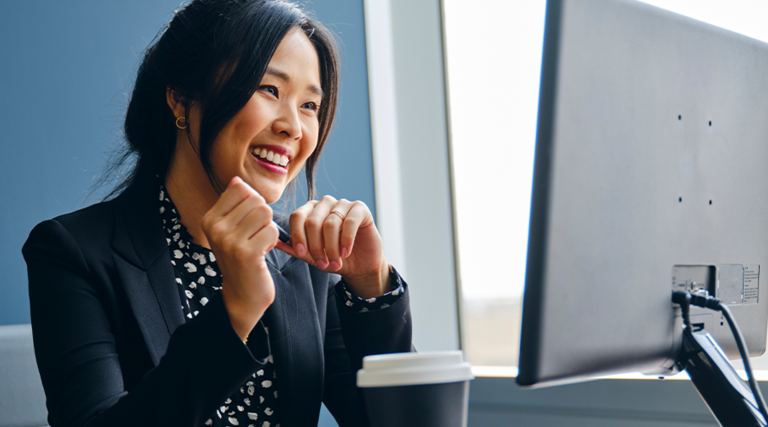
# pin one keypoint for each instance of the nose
(287, 122)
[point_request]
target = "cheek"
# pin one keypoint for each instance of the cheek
(309, 142)
(248, 121)
(244, 126)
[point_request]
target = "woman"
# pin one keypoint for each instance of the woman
(176, 303)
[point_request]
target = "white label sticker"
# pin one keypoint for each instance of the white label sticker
(751, 283)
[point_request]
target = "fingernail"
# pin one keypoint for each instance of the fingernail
(344, 252)
(300, 250)
(335, 265)
(323, 264)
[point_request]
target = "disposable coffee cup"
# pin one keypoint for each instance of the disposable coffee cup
(416, 389)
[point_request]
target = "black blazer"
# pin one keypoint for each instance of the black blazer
(113, 348)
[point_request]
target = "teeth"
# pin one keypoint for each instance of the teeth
(277, 159)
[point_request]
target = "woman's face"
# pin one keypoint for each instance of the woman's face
(268, 141)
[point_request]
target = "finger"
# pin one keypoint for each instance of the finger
(245, 252)
(244, 210)
(254, 220)
(287, 249)
(236, 192)
(313, 227)
(265, 239)
(359, 216)
(332, 232)
(298, 237)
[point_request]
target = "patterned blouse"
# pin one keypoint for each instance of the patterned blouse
(198, 278)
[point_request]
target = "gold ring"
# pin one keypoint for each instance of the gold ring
(341, 215)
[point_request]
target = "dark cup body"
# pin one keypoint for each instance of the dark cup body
(430, 405)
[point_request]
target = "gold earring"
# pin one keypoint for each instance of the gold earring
(185, 122)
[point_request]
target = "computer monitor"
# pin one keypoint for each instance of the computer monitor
(651, 175)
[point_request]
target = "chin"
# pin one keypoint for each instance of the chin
(270, 195)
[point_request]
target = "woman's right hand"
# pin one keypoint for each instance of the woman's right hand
(240, 231)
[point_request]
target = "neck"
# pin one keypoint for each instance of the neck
(192, 193)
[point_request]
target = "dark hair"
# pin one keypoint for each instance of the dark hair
(205, 40)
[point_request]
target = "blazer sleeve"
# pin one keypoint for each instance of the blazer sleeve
(78, 358)
(350, 336)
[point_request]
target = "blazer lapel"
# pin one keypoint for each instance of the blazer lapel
(296, 342)
(144, 266)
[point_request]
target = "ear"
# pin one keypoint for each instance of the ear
(176, 102)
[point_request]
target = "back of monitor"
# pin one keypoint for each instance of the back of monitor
(651, 171)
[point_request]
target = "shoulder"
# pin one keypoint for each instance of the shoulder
(84, 235)
(87, 224)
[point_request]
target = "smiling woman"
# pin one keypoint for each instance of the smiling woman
(175, 303)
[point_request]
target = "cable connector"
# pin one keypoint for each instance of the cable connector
(683, 298)
(705, 301)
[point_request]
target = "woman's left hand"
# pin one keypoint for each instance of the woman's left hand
(339, 236)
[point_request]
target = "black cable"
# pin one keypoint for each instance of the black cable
(685, 299)
(741, 343)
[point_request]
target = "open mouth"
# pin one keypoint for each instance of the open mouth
(270, 156)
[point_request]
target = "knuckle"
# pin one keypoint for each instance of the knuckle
(313, 223)
(345, 201)
(265, 211)
(327, 198)
(250, 201)
(216, 229)
(359, 204)
(240, 189)
(274, 234)
(331, 223)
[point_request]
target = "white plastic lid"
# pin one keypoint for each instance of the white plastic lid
(396, 369)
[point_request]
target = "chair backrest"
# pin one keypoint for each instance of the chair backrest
(22, 400)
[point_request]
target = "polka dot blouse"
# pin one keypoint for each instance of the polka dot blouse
(198, 278)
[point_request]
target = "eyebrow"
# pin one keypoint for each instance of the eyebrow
(285, 77)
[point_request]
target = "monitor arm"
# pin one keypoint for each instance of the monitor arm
(723, 391)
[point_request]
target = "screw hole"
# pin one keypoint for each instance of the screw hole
(710, 202)
(679, 117)
(710, 122)
(680, 199)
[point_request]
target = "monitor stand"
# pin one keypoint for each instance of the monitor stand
(724, 392)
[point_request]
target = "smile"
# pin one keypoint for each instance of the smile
(270, 156)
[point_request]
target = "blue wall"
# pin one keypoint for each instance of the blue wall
(64, 69)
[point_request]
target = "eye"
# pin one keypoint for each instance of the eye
(270, 89)
(311, 106)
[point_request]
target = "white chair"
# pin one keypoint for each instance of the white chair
(22, 400)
